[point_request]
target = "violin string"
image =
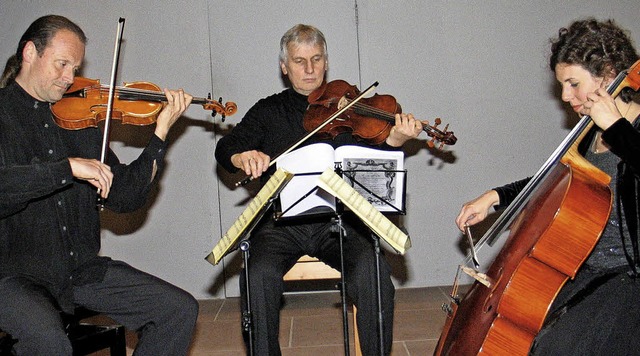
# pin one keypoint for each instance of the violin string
(157, 95)
(371, 109)
(385, 114)
(136, 91)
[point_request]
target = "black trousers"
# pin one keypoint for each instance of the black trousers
(595, 314)
(275, 249)
(163, 314)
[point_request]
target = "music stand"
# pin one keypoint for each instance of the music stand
(353, 175)
(336, 219)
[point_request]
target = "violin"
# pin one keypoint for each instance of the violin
(136, 103)
(370, 119)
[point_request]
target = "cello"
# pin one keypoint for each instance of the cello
(550, 235)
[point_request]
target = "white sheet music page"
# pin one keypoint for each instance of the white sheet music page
(381, 172)
(308, 159)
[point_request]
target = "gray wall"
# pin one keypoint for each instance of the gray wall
(481, 66)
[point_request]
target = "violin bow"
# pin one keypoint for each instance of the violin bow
(107, 121)
(323, 124)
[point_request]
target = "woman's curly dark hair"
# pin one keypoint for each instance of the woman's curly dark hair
(600, 47)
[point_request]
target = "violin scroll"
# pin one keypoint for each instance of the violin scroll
(439, 136)
(228, 109)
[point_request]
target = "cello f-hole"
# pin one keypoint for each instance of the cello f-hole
(491, 303)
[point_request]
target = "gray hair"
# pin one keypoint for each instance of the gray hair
(299, 34)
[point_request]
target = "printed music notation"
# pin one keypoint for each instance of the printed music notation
(250, 216)
(377, 170)
(378, 223)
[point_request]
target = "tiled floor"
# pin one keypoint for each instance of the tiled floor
(311, 324)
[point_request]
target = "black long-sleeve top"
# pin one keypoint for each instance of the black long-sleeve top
(49, 222)
(273, 125)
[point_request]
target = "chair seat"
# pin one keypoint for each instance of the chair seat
(86, 338)
(89, 338)
(6, 344)
(309, 268)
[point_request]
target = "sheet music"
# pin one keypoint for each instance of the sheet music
(308, 159)
(374, 219)
(382, 179)
(308, 162)
(249, 216)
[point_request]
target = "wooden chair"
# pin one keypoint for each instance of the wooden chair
(86, 338)
(310, 268)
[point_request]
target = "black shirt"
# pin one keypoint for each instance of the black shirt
(273, 125)
(49, 222)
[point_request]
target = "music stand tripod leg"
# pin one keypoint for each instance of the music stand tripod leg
(247, 324)
(339, 228)
(376, 245)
